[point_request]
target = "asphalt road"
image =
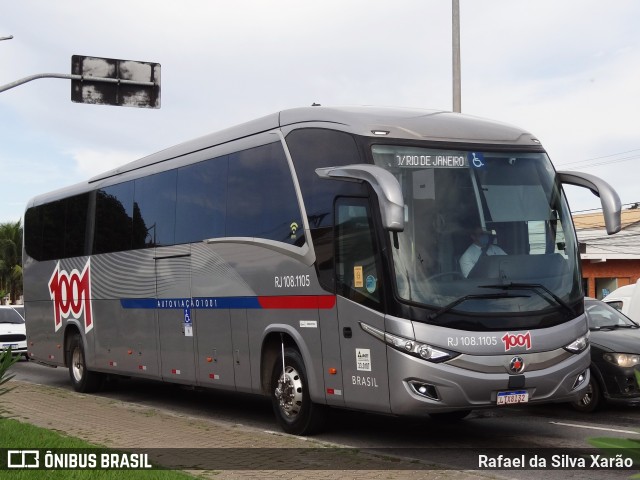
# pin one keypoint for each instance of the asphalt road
(525, 428)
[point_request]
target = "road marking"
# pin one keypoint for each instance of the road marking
(595, 428)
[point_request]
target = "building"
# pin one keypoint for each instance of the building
(608, 261)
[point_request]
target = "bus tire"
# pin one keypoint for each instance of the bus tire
(591, 399)
(292, 405)
(82, 379)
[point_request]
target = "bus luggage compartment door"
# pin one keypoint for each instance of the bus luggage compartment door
(176, 326)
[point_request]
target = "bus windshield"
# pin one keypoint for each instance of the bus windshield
(485, 232)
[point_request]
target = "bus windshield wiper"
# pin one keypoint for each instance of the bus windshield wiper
(613, 327)
(482, 296)
(534, 287)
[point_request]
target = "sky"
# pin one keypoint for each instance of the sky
(568, 71)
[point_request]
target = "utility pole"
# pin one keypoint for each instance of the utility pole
(455, 42)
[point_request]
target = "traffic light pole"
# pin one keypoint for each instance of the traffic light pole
(107, 81)
(80, 78)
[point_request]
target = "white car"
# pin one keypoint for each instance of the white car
(13, 332)
(620, 298)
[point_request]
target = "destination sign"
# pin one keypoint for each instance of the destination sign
(433, 161)
(400, 156)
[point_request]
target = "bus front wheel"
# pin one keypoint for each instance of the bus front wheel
(292, 405)
(83, 380)
(591, 399)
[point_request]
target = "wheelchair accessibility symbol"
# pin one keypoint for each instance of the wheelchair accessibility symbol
(187, 327)
(477, 159)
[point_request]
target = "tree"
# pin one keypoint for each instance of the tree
(11, 259)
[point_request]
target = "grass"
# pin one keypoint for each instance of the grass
(17, 435)
(628, 448)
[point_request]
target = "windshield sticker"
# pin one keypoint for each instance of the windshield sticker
(371, 283)
(363, 359)
(294, 228)
(476, 159)
(358, 277)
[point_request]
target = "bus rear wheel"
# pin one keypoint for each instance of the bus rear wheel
(83, 380)
(290, 399)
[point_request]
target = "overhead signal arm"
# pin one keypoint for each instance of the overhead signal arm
(107, 81)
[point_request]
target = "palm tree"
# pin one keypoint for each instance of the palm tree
(11, 259)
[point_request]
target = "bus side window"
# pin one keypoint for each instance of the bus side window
(313, 148)
(114, 218)
(261, 197)
(357, 258)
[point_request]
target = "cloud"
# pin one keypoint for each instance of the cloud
(90, 163)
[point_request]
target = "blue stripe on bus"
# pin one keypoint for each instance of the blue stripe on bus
(197, 303)
(138, 303)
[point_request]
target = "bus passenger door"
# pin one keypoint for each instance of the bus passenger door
(176, 328)
(359, 300)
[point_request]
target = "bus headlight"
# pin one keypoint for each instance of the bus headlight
(411, 347)
(579, 344)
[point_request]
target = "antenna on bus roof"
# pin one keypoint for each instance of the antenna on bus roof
(314, 104)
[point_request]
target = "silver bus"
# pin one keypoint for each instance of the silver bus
(316, 256)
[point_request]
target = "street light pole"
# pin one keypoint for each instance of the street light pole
(6, 38)
(455, 41)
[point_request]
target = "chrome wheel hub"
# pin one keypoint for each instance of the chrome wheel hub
(77, 365)
(587, 398)
(288, 392)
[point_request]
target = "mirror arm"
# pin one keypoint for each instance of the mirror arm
(609, 199)
(383, 183)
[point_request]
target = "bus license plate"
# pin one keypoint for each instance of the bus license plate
(511, 398)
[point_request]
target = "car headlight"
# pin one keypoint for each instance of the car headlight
(411, 347)
(625, 360)
(579, 344)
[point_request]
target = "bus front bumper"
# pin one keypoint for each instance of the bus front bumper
(418, 387)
